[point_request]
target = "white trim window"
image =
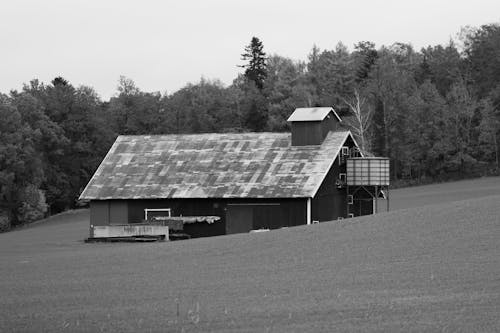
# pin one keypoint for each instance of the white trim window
(344, 153)
(147, 210)
(350, 199)
(342, 180)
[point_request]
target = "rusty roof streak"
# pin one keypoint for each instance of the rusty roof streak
(254, 165)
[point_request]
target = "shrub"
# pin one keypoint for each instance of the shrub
(33, 205)
(4, 221)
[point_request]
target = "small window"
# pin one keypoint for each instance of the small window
(340, 218)
(350, 215)
(345, 151)
(315, 222)
(350, 199)
(156, 212)
(341, 181)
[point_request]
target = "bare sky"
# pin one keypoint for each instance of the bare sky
(163, 45)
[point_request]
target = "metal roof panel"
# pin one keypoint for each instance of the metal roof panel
(235, 165)
(312, 114)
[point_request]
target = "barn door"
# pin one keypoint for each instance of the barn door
(267, 217)
(239, 218)
(246, 217)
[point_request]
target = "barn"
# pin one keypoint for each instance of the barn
(232, 182)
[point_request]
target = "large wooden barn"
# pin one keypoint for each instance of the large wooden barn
(246, 181)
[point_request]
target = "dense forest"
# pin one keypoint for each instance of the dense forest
(434, 112)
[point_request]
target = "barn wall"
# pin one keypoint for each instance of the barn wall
(306, 133)
(313, 132)
(118, 212)
(185, 207)
(329, 124)
(247, 214)
(363, 202)
(105, 212)
(99, 212)
(330, 202)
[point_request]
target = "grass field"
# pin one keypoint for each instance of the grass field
(429, 268)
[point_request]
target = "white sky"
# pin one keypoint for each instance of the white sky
(163, 45)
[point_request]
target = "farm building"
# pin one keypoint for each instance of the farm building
(232, 183)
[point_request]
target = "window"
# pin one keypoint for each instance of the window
(350, 199)
(344, 153)
(350, 215)
(153, 212)
(341, 181)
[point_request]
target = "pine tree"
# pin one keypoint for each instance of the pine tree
(256, 69)
(366, 55)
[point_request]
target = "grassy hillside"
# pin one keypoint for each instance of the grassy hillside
(431, 268)
(445, 192)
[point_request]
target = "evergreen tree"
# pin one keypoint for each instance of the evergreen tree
(366, 56)
(256, 68)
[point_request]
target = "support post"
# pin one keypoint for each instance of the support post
(308, 211)
(347, 202)
(387, 198)
(376, 199)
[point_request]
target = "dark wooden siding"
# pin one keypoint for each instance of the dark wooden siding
(256, 214)
(363, 202)
(329, 124)
(118, 212)
(108, 212)
(185, 207)
(272, 213)
(239, 219)
(99, 212)
(306, 133)
(243, 217)
(313, 132)
(330, 202)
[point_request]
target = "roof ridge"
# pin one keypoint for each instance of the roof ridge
(207, 133)
(216, 133)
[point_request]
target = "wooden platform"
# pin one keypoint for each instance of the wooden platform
(126, 239)
(128, 233)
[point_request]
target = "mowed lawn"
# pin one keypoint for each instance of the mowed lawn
(430, 268)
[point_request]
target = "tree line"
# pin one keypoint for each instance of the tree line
(435, 113)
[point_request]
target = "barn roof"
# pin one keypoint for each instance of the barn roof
(249, 165)
(312, 114)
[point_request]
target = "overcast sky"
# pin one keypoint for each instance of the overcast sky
(163, 45)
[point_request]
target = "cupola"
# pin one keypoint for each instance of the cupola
(310, 126)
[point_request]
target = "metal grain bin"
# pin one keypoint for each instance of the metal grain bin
(368, 171)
